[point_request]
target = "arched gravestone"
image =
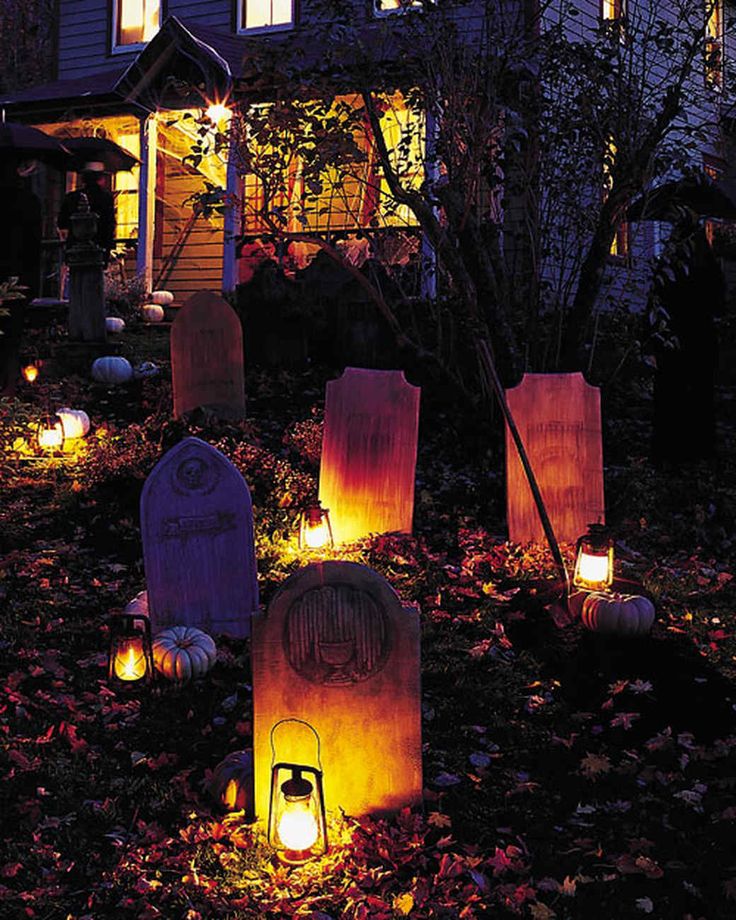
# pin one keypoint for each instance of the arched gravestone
(559, 420)
(338, 650)
(207, 357)
(197, 529)
(369, 453)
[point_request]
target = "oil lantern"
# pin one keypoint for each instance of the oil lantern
(594, 560)
(315, 531)
(297, 827)
(130, 663)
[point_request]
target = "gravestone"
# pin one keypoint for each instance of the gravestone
(369, 453)
(338, 650)
(207, 357)
(197, 529)
(559, 420)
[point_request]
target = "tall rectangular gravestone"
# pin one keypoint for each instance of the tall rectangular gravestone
(559, 420)
(369, 453)
(207, 357)
(337, 650)
(198, 550)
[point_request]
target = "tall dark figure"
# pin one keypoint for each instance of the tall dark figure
(690, 286)
(100, 201)
(20, 257)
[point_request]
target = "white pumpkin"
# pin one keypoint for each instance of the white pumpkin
(114, 324)
(165, 298)
(183, 652)
(619, 614)
(139, 605)
(75, 422)
(112, 369)
(145, 369)
(152, 312)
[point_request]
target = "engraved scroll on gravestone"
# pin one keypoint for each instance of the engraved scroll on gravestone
(207, 357)
(197, 529)
(369, 453)
(559, 420)
(338, 650)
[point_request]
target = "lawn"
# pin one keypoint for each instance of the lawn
(566, 774)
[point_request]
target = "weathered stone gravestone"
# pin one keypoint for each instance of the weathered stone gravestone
(338, 650)
(207, 357)
(369, 453)
(559, 420)
(197, 529)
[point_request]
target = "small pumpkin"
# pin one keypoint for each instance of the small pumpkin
(152, 312)
(231, 783)
(183, 652)
(75, 422)
(112, 369)
(618, 614)
(145, 369)
(165, 298)
(114, 324)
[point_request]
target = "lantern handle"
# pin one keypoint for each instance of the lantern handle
(298, 722)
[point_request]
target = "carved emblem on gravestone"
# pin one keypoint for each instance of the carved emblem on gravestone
(195, 475)
(336, 636)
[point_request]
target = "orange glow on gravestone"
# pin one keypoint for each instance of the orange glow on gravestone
(369, 453)
(559, 420)
(337, 649)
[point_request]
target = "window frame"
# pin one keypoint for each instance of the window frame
(114, 19)
(714, 47)
(242, 29)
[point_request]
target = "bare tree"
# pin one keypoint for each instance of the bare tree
(535, 136)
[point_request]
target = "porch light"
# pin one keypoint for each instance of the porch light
(50, 434)
(297, 826)
(594, 561)
(130, 661)
(315, 531)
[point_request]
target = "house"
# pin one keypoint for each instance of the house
(148, 74)
(154, 75)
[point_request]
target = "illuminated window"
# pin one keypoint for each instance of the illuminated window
(266, 14)
(386, 7)
(612, 9)
(135, 21)
(714, 43)
(350, 197)
(620, 244)
(125, 190)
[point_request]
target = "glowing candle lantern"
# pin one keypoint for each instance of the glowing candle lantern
(130, 662)
(594, 562)
(297, 827)
(315, 531)
(50, 433)
(30, 372)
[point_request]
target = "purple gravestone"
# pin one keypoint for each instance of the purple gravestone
(197, 529)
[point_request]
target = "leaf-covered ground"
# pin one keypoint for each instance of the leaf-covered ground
(566, 775)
